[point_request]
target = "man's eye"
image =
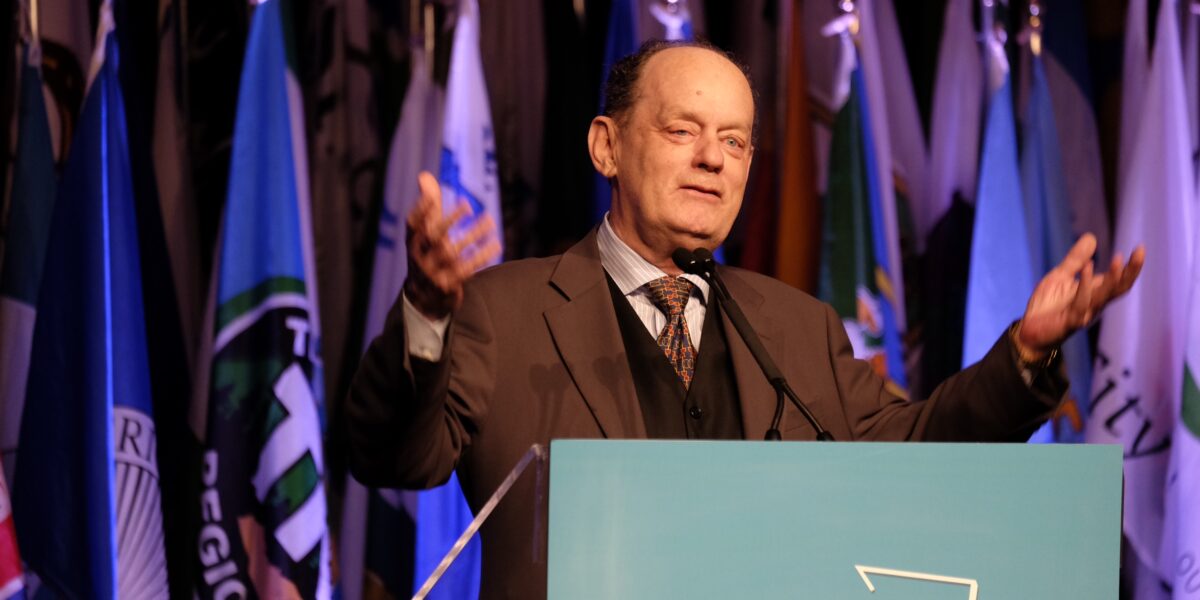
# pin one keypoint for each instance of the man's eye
(681, 132)
(733, 142)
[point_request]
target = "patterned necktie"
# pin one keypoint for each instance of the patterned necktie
(670, 295)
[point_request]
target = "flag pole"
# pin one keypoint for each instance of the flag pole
(1035, 27)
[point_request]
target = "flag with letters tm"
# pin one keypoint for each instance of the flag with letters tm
(263, 532)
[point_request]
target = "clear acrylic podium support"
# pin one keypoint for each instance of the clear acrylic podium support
(536, 452)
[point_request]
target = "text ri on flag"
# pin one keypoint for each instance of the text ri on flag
(86, 490)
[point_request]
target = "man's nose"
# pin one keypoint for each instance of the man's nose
(709, 155)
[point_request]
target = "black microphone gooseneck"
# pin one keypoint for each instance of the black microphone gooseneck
(700, 262)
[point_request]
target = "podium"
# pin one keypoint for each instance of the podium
(878, 521)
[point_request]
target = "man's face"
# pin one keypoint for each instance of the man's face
(682, 153)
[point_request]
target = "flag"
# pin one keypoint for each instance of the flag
(467, 172)
(173, 176)
(12, 581)
(624, 37)
(958, 98)
(1134, 73)
(1140, 356)
(262, 506)
(86, 492)
(1001, 277)
(1047, 206)
(854, 262)
(1068, 81)
(1180, 559)
(798, 223)
(30, 210)
(377, 533)
(944, 218)
(880, 98)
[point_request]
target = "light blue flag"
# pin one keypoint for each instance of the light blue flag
(86, 493)
(263, 532)
(33, 188)
(468, 174)
(1001, 277)
(1047, 207)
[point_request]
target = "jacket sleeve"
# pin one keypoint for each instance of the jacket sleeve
(410, 420)
(988, 401)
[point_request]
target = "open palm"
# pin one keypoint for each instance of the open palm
(1070, 296)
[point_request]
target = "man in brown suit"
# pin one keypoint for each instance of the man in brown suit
(473, 369)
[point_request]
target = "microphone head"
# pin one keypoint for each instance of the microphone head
(686, 260)
(704, 257)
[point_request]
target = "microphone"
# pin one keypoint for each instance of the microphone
(700, 262)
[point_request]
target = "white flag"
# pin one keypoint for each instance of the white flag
(958, 97)
(1139, 366)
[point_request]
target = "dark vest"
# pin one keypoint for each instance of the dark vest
(709, 409)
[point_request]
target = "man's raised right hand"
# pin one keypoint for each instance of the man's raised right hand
(438, 265)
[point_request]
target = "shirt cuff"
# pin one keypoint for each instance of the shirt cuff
(425, 336)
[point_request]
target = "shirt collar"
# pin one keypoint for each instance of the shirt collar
(628, 269)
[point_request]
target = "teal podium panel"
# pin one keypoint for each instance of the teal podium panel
(870, 521)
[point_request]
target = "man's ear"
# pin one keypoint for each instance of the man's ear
(602, 146)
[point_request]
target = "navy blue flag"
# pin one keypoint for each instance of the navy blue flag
(86, 494)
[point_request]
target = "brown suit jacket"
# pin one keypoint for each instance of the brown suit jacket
(535, 353)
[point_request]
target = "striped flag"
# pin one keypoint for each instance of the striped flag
(1140, 356)
(262, 506)
(854, 267)
(30, 208)
(378, 526)
(1001, 277)
(12, 581)
(86, 492)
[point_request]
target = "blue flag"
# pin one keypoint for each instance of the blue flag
(623, 39)
(86, 495)
(468, 174)
(1001, 273)
(263, 510)
(1047, 210)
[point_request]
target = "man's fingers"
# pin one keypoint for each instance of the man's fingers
(1132, 270)
(1081, 307)
(480, 258)
(1080, 254)
(482, 228)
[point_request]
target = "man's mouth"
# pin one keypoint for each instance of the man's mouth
(704, 190)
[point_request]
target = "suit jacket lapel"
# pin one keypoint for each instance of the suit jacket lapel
(588, 338)
(756, 395)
